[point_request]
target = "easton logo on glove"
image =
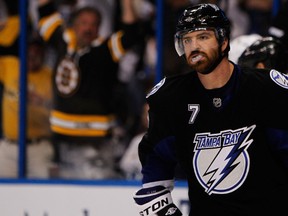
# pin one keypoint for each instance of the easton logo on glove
(156, 206)
(156, 201)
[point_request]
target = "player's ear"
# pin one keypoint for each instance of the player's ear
(224, 44)
(260, 65)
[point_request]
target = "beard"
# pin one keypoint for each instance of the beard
(206, 63)
(86, 38)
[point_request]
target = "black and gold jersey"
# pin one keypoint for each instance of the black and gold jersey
(84, 80)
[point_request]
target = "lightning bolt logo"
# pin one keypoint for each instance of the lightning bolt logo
(228, 164)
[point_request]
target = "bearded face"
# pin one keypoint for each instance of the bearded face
(202, 50)
(86, 28)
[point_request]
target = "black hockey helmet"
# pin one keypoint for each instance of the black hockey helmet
(267, 50)
(202, 17)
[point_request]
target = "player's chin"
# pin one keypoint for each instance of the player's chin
(87, 40)
(198, 66)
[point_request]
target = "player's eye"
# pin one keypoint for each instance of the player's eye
(187, 41)
(203, 37)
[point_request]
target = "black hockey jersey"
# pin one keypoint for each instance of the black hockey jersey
(231, 142)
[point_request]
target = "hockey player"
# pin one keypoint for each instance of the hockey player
(267, 52)
(225, 125)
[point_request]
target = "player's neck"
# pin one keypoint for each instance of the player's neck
(218, 77)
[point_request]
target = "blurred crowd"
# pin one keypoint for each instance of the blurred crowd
(90, 64)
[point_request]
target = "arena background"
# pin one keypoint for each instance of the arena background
(34, 197)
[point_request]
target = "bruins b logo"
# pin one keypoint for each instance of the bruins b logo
(67, 77)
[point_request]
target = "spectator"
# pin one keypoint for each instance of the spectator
(107, 8)
(39, 147)
(84, 115)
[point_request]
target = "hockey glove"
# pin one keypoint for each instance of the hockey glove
(156, 201)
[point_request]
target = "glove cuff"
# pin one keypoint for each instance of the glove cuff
(156, 203)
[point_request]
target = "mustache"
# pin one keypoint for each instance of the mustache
(87, 33)
(197, 52)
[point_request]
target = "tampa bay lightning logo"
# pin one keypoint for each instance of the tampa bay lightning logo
(279, 78)
(221, 161)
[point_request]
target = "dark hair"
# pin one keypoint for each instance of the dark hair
(86, 9)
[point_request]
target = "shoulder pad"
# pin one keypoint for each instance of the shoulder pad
(279, 78)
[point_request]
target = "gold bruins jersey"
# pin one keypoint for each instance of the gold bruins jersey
(38, 85)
